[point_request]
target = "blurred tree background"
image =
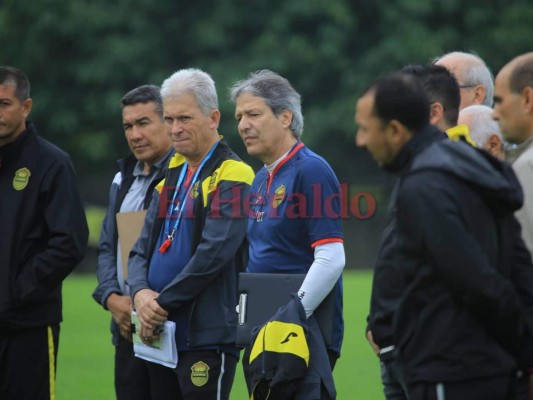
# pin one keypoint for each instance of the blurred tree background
(81, 56)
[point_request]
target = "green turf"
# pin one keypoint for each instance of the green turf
(85, 361)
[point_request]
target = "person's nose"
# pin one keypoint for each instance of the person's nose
(360, 139)
(135, 133)
(244, 125)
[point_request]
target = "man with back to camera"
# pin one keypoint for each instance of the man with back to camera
(43, 236)
(131, 190)
(443, 269)
(184, 268)
(270, 122)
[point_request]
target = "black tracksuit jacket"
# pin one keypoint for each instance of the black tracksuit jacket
(43, 230)
(453, 282)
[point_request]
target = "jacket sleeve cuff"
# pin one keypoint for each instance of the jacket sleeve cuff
(108, 293)
(136, 288)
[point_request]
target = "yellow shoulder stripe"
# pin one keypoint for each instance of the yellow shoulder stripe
(175, 162)
(229, 170)
(282, 337)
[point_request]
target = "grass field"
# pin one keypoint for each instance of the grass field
(85, 361)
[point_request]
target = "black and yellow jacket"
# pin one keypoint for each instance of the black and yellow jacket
(288, 359)
(208, 283)
(43, 230)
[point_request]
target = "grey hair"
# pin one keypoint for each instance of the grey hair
(476, 73)
(195, 82)
(277, 93)
(482, 125)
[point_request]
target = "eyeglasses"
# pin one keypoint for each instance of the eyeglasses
(467, 85)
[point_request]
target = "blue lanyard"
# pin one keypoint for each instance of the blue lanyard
(170, 235)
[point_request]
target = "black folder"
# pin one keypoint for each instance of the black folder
(260, 296)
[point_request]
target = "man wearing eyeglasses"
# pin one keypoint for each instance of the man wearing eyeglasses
(475, 80)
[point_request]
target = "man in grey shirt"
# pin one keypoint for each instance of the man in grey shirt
(131, 190)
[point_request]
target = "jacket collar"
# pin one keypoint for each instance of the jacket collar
(13, 149)
(420, 140)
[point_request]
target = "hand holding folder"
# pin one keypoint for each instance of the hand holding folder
(161, 351)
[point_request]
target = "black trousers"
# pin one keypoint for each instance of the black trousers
(493, 388)
(136, 379)
(204, 375)
(28, 363)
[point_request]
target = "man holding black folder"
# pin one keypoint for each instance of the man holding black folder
(295, 224)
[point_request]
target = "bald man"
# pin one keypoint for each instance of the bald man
(513, 109)
(473, 76)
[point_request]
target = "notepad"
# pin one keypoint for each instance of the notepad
(163, 350)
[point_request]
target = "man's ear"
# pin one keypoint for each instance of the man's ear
(398, 133)
(214, 119)
(493, 144)
(26, 107)
(479, 94)
(436, 113)
(527, 94)
(286, 118)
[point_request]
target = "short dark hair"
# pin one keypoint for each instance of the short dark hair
(14, 76)
(399, 96)
(521, 75)
(440, 86)
(144, 94)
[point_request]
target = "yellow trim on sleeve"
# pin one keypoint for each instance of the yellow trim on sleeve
(51, 363)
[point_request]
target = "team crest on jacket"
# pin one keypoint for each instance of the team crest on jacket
(279, 195)
(199, 373)
(212, 182)
(194, 191)
(22, 176)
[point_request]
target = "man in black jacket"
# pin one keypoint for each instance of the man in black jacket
(131, 190)
(43, 236)
(444, 314)
(185, 265)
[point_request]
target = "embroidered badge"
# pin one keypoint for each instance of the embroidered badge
(199, 373)
(279, 195)
(22, 176)
(194, 191)
(212, 182)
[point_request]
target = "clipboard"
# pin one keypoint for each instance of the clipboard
(260, 296)
(129, 226)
